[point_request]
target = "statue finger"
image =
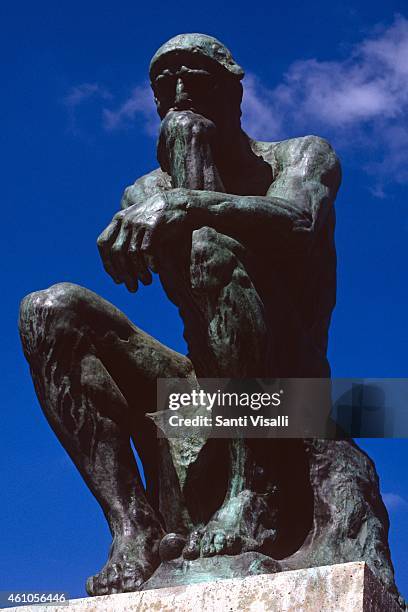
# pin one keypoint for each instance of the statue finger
(135, 242)
(144, 273)
(148, 241)
(147, 248)
(116, 253)
(104, 243)
(192, 549)
(90, 586)
(207, 545)
(109, 233)
(220, 542)
(137, 261)
(140, 268)
(120, 260)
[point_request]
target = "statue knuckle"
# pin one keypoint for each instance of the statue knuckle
(119, 215)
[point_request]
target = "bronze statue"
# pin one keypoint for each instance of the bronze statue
(241, 234)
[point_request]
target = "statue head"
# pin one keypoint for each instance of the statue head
(196, 72)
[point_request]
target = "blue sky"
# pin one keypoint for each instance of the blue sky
(79, 127)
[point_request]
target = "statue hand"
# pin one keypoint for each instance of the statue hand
(173, 220)
(128, 245)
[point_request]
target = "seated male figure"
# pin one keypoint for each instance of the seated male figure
(241, 235)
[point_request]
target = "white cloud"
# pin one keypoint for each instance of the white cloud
(141, 103)
(393, 501)
(259, 118)
(371, 83)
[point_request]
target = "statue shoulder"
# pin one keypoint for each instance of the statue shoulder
(146, 186)
(308, 151)
(312, 156)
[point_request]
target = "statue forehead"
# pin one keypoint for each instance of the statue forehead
(200, 44)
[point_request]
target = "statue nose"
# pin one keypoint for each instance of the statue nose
(181, 93)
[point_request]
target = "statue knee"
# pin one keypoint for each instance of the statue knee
(47, 313)
(58, 298)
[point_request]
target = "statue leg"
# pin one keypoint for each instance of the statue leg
(95, 377)
(224, 322)
(350, 521)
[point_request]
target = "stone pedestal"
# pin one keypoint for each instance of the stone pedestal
(349, 587)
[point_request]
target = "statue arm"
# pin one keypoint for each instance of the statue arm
(294, 208)
(284, 221)
(309, 176)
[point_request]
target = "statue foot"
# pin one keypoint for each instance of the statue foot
(244, 523)
(128, 567)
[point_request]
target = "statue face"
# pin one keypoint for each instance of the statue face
(187, 82)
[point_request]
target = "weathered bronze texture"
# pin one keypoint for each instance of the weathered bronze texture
(241, 234)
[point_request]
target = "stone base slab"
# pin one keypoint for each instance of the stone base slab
(347, 587)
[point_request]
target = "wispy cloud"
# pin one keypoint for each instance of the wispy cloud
(139, 104)
(80, 94)
(370, 84)
(260, 118)
(361, 101)
(393, 501)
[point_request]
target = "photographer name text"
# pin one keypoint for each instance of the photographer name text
(176, 420)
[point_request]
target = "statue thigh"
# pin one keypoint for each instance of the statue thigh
(224, 320)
